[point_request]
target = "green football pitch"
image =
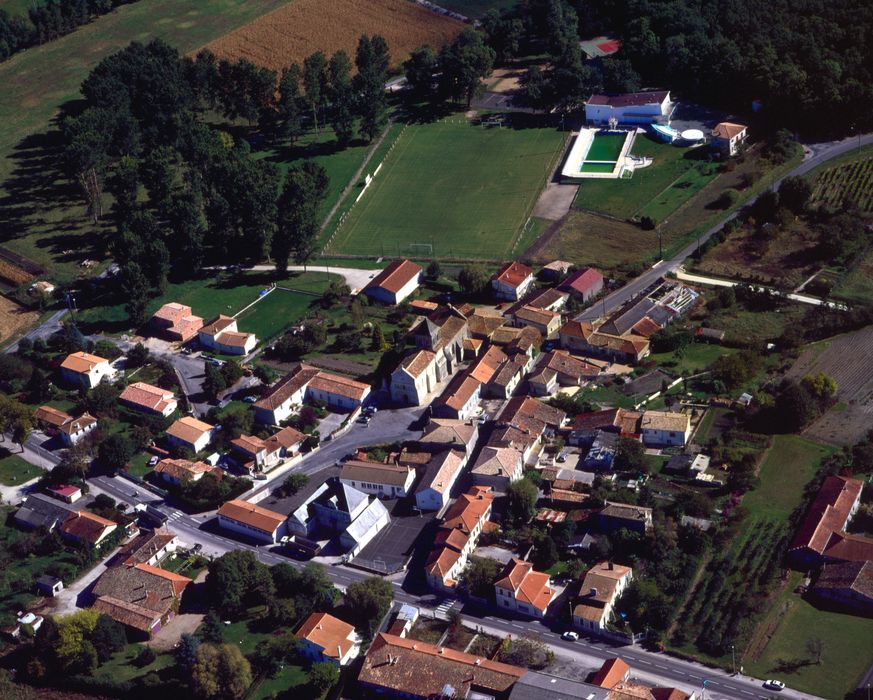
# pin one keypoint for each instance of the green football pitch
(452, 189)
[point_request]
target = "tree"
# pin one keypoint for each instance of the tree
(212, 630)
(314, 82)
(472, 279)
(522, 497)
(546, 553)
(356, 313)
(39, 387)
(107, 637)
(135, 288)
(794, 194)
(137, 356)
(434, 270)
(342, 116)
(737, 369)
(464, 63)
(378, 343)
(297, 223)
(186, 652)
(292, 484)
(214, 382)
(323, 676)
(115, 451)
(290, 125)
(102, 400)
(420, 68)
(368, 601)
(220, 672)
(372, 61)
(630, 456)
(528, 651)
(237, 580)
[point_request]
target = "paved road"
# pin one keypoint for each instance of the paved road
(817, 154)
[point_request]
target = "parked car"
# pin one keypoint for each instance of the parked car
(570, 636)
(774, 685)
(250, 399)
(154, 460)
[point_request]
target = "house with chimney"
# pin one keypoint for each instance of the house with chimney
(175, 322)
(221, 335)
(82, 369)
(600, 588)
(523, 590)
(325, 638)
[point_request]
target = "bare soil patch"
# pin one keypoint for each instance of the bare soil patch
(169, 635)
(300, 28)
(849, 360)
(14, 318)
(505, 80)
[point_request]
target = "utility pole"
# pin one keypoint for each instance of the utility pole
(733, 660)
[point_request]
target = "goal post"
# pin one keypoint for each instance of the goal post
(420, 250)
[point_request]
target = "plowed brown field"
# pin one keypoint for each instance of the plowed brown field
(14, 318)
(302, 27)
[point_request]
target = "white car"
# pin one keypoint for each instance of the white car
(774, 685)
(570, 636)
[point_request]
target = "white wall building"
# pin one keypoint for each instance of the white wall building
(86, 370)
(645, 107)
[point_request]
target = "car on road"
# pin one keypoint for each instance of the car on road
(570, 636)
(364, 420)
(774, 685)
(250, 399)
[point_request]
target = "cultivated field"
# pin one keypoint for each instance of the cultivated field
(844, 185)
(41, 215)
(452, 189)
(14, 318)
(849, 360)
(300, 28)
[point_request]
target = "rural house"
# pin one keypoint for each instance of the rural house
(179, 471)
(76, 429)
(523, 590)
(498, 467)
(149, 399)
(396, 282)
(601, 587)
(847, 584)
(414, 378)
(545, 321)
(665, 428)
(440, 474)
(587, 283)
(82, 369)
(222, 336)
(646, 107)
(621, 516)
(325, 638)
(41, 511)
(306, 383)
(83, 527)
(251, 520)
(190, 434)
(175, 321)
(512, 281)
(383, 480)
(459, 400)
(559, 368)
(728, 137)
(449, 434)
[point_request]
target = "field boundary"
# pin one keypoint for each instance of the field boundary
(262, 295)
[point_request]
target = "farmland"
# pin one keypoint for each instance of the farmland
(298, 29)
(461, 190)
(14, 318)
(844, 185)
(848, 359)
(43, 218)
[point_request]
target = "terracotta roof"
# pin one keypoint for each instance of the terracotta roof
(51, 416)
(287, 438)
(417, 363)
(484, 326)
(595, 420)
(288, 385)
(727, 130)
(845, 547)
(144, 546)
(856, 576)
(629, 690)
(250, 444)
(233, 339)
(81, 362)
(528, 586)
(530, 314)
(64, 490)
(626, 511)
(177, 581)
(440, 561)
(424, 670)
(582, 281)
(665, 420)
(558, 266)
(189, 429)
(128, 614)
(828, 513)
(333, 635)
(669, 694)
(172, 311)
(138, 595)
(645, 327)
(147, 396)
(452, 538)
(441, 470)
(513, 274)
(627, 422)
(577, 329)
(468, 510)
(459, 391)
(487, 365)
(629, 99)
(497, 461)
(77, 424)
(564, 363)
(252, 515)
(419, 305)
(527, 412)
(604, 579)
(448, 431)
(86, 526)
(507, 372)
(217, 325)
(374, 472)
(396, 276)
(339, 385)
(179, 469)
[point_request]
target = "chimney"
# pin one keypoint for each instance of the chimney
(593, 592)
(609, 564)
(339, 652)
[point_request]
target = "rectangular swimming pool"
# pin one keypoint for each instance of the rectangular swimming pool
(606, 147)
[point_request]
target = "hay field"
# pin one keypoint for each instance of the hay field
(14, 318)
(298, 29)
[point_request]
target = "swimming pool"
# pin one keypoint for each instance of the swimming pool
(598, 153)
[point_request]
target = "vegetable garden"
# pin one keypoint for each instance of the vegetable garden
(852, 182)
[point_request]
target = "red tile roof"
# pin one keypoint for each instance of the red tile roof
(396, 276)
(513, 274)
(528, 586)
(147, 396)
(330, 633)
(252, 515)
(727, 130)
(582, 281)
(86, 526)
(613, 672)
(81, 362)
(468, 510)
(828, 513)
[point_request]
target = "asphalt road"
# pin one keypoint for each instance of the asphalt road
(819, 153)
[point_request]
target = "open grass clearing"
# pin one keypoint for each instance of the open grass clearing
(847, 646)
(275, 312)
(662, 187)
(43, 215)
(856, 286)
(120, 667)
(741, 325)
(300, 28)
(15, 470)
(691, 359)
(452, 189)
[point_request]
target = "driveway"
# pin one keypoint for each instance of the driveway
(78, 594)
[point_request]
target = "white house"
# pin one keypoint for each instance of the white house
(251, 520)
(190, 433)
(74, 430)
(523, 590)
(440, 475)
(325, 638)
(729, 137)
(222, 336)
(600, 589)
(644, 107)
(512, 281)
(147, 398)
(665, 428)
(85, 370)
(414, 378)
(383, 480)
(460, 399)
(306, 383)
(498, 467)
(396, 282)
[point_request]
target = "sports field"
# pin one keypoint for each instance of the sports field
(452, 189)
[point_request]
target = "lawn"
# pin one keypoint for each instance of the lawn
(674, 177)
(847, 647)
(693, 358)
(44, 218)
(275, 312)
(291, 676)
(856, 286)
(224, 293)
(16, 7)
(120, 668)
(14, 470)
(452, 189)
(788, 466)
(756, 326)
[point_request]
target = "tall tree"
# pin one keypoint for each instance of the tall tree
(464, 63)
(297, 224)
(420, 69)
(220, 672)
(369, 601)
(290, 125)
(315, 81)
(342, 116)
(372, 61)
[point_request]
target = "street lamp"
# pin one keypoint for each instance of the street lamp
(733, 660)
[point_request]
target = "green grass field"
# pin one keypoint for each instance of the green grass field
(16, 7)
(847, 647)
(789, 465)
(274, 313)
(463, 189)
(657, 191)
(14, 470)
(45, 220)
